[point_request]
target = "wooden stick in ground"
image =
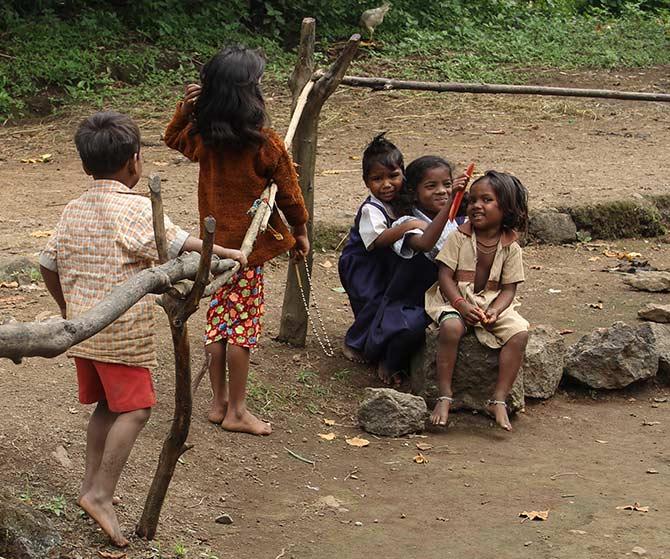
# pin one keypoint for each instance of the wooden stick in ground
(294, 320)
(387, 84)
(304, 67)
(174, 445)
(158, 217)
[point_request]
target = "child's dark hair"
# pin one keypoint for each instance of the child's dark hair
(406, 198)
(106, 141)
(381, 151)
(230, 109)
(512, 199)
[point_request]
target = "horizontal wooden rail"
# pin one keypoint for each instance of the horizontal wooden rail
(459, 87)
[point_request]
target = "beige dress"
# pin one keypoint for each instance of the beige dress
(460, 254)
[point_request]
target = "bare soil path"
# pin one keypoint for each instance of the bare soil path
(579, 455)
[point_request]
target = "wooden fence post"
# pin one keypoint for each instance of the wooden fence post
(293, 327)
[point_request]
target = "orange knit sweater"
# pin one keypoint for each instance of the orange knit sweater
(232, 179)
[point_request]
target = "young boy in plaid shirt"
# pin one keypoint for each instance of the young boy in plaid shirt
(103, 238)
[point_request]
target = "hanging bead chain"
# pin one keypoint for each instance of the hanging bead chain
(327, 347)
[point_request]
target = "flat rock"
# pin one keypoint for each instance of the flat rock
(224, 519)
(543, 365)
(656, 282)
(655, 312)
(26, 533)
(390, 413)
(474, 378)
(18, 268)
(548, 225)
(614, 357)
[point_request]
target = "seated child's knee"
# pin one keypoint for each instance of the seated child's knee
(520, 339)
(451, 330)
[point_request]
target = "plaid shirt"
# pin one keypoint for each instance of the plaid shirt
(103, 238)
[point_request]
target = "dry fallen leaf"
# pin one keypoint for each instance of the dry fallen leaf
(41, 234)
(635, 507)
(329, 422)
(566, 331)
(424, 446)
(649, 423)
(601, 441)
(29, 160)
(326, 264)
(9, 284)
(358, 441)
(536, 267)
(535, 515)
(45, 157)
(112, 554)
(594, 258)
(327, 436)
(160, 163)
(652, 471)
(421, 459)
(595, 305)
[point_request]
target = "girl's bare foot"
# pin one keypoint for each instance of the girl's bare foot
(246, 422)
(383, 373)
(353, 354)
(103, 513)
(498, 409)
(440, 414)
(217, 412)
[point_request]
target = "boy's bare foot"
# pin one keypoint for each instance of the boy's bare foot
(498, 409)
(440, 414)
(353, 354)
(103, 513)
(217, 413)
(246, 423)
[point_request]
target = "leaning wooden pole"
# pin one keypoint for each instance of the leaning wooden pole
(459, 87)
(178, 312)
(294, 320)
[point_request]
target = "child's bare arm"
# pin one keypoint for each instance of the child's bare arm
(500, 303)
(426, 242)
(195, 244)
(52, 282)
(392, 234)
(470, 313)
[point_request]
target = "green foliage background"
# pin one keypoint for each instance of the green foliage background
(54, 52)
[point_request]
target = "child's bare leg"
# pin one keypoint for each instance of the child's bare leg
(238, 417)
(97, 501)
(509, 363)
(451, 332)
(217, 378)
(99, 424)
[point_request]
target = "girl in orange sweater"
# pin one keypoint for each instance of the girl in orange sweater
(221, 124)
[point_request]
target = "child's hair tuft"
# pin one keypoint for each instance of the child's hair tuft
(106, 141)
(406, 198)
(512, 199)
(230, 109)
(383, 152)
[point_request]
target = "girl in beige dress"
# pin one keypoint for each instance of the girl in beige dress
(479, 268)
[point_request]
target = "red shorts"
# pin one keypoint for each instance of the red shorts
(124, 387)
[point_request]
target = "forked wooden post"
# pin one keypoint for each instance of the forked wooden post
(178, 312)
(294, 320)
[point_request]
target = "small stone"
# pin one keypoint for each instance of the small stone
(376, 521)
(390, 413)
(526, 544)
(652, 471)
(639, 550)
(224, 519)
(655, 312)
(543, 364)
(403, 515)
(358, 523)
(548, 225)
(655, 282)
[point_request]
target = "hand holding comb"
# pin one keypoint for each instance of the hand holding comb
(458, 197)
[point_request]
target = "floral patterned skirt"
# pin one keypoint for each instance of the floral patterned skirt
(236, 309)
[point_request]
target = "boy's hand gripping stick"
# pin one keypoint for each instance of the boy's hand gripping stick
(458, 197)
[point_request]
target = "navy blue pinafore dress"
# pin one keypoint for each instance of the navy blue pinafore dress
(365, 275)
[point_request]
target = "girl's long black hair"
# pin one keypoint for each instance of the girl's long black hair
(230, 109)
(512, 199)
(405, 200)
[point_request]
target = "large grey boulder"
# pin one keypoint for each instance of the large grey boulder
(26, 533)
(548, 225)
(543, 365)
(390, 413)
(662, 346)
(474, 377)
(613, 357)
(656, 282)
(655, 312)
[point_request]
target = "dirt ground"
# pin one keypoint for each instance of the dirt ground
(580, 455)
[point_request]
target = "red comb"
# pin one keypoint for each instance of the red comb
(458, 197)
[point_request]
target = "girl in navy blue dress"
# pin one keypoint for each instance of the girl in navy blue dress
(367, 260)
(398, 327)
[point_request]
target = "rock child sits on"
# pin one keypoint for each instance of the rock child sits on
(221, 124)
(367, 260)
(480, 267)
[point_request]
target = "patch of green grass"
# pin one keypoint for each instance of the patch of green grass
(180, 551)
(342, 375)
(307, 377)
(56, 506)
